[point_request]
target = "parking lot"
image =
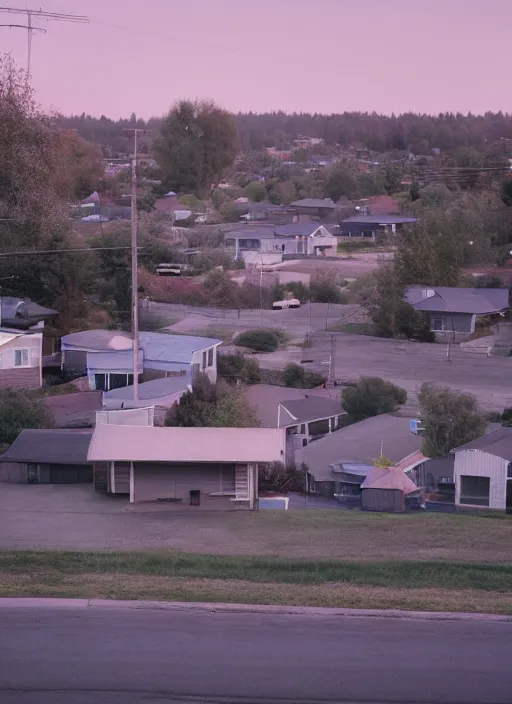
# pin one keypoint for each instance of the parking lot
(409, 364)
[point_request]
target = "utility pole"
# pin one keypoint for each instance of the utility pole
(135, 263)
(42, 15)
(135, 266)
(332, 362)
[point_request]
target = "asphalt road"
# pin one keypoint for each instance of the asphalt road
(92, 655)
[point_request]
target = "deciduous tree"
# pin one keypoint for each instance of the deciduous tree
(196, 144)
(449, 418)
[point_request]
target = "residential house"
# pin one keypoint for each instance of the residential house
(211, 467)
(314, 208)
(310, 239)
(483, 471)
(372, 226)
(340, 461)
(386, 489)
(47, 457)
(22, 342)
(305, 414)
(453, 312)
(161, 356)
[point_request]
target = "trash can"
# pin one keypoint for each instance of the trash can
(195, 497)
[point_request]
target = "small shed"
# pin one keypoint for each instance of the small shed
(386, 489)
(47, 457)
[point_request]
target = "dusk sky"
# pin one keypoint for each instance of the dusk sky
(294, 55)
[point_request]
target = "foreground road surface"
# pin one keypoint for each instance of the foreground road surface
(126, 656)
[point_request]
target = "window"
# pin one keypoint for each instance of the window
(509, 470)
(438, 324)
(210, 357)
(21, 358)
(474, 490)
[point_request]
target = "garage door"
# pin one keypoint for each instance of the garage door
(73, 474)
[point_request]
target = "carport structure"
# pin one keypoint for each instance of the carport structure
(210, 467)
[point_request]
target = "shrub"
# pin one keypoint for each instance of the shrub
(371, 396)
(21, 409)
(294, 376)
(258, 340)
(324, 289)
(237, 366)
(297, 377)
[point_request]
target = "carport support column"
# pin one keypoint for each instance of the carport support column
(252, 484)
(132, 484)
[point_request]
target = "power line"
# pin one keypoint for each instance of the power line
(60, 251)
(42, 15)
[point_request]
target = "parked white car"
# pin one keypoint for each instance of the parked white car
(287, 303)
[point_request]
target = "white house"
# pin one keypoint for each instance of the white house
(483, 471)
(20, 359)
(105, 356)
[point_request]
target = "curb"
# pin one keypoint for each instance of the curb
(48, 603)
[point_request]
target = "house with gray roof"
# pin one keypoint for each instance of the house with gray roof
(305, 414)
(47, 457)
(305, 238)
(373, 226)
(345, 456)
(105, 356)
(453, 312)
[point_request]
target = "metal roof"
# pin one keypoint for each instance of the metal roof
(156, 347)
(310, 409)
(151, 444)
(389, 478)
(49, 447)
(497, 443)
(314, 203)
(113, 361)
(477, 301)
(301, 229)
(379, 220)
(154, 389)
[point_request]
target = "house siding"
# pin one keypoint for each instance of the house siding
(23, 377)
(476, 463)
(14, 472)
(458, 322)
(154, 481)
(382, 500)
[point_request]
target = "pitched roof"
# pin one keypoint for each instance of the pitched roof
(309, 409)
(477, 301)
(266, 397)
(379, 219)
(300, 229)
(389, 478)
(361, 442)
(49, 447)
(498, 443)
(314, 203)
(152, 444)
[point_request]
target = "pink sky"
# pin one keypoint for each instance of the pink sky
(294, 55)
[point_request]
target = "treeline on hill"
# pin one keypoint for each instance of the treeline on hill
(380, 133)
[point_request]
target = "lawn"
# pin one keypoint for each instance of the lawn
(186, 577)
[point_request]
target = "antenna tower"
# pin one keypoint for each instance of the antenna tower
(41, 15)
